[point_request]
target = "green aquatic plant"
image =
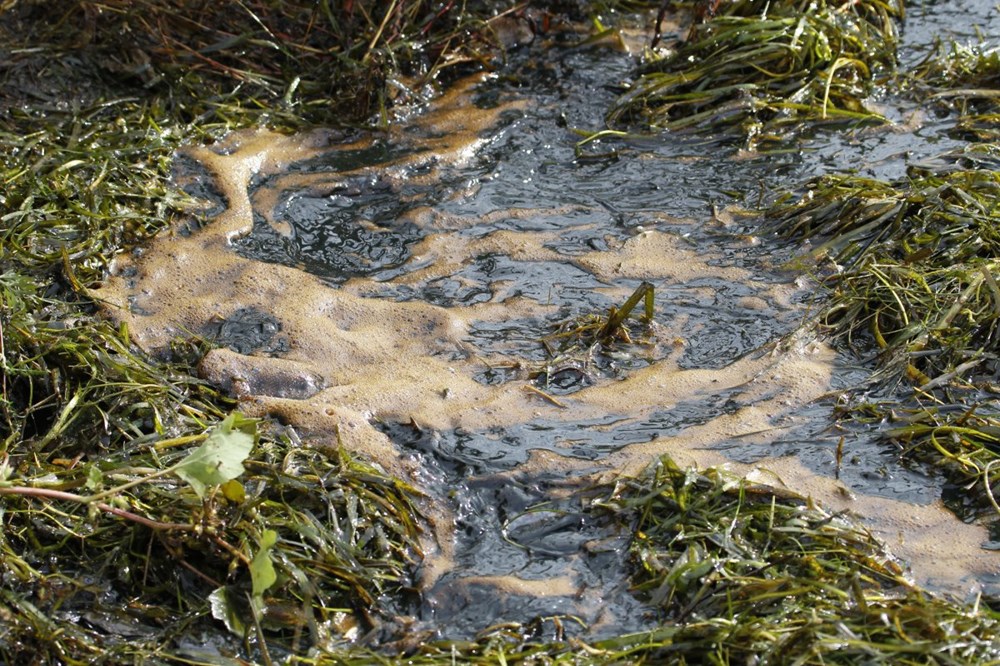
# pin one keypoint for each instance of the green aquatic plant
(304, 544)
(961, 75)
(979, 127)
(965, 79)
(218, 461)
(911, 271)
(743, 572)
(755, 71)
(578, 344)
(912, 263)
(962, 439)
(739, 573)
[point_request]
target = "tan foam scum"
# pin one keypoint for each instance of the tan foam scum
(353, 361)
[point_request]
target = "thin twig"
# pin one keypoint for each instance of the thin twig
(50, 493)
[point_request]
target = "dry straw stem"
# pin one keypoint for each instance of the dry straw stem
(578, 344)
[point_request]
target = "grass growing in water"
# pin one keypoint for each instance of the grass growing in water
(93, 118)
(966, 79)
(757, 70)
(743, 575)
(963, 438)
(961, 72)
(912, 267)
(913, 264)
(578, 345)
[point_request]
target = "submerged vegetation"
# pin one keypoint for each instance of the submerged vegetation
(967, 79)
(962, 72)
(105, 557)
(755, 72)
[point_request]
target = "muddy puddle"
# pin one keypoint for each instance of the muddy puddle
(393, 290)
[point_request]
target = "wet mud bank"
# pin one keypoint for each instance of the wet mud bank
(390, 293)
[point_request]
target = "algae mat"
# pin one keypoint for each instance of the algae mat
(373, 291)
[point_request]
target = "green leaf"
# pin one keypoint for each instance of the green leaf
(95, 478)
(223, 610)
(261, 568)
(234, 491)
(220, 458)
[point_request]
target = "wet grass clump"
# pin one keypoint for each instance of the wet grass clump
(962, 74)
(741, 573)
(964, 440)
(297, 545)
(910, 263)
(744, 574)
(296, 61)
(73, 387)
(964, 79)
(755, 71)
(911, 274)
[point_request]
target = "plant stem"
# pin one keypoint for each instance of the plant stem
(107, 508)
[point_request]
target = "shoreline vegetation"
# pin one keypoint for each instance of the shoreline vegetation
(112, 551)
